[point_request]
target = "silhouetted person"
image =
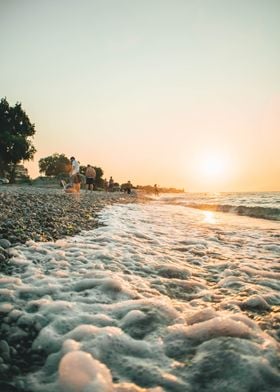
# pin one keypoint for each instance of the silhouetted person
(106, 185)
(128, 187)
(90, 177)
(156, 190)
(75, 178)
(111, 184)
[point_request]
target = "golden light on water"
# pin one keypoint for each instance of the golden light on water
(209, 217)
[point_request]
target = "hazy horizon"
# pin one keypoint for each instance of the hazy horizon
(184, 94)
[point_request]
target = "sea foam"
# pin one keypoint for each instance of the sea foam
(137, 305)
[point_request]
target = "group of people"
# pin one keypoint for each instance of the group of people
(111, 186)
(74, 185)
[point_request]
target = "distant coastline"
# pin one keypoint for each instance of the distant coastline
(150, 189)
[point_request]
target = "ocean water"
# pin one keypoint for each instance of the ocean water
(264, 205)
(161, 297)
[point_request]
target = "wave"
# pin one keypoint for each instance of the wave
(255, 212)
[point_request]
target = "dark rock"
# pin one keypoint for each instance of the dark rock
(5, 350)
(5, 243)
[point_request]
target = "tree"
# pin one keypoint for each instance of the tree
(54, 165)
(99, 174)
(15, 133)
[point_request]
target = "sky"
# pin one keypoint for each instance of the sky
(182, 93)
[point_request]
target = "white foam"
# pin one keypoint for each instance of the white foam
(79, 372)
(140, 304)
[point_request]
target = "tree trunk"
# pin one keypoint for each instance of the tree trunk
(12, 173)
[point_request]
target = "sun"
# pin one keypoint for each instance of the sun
(213, 166)
(211, 169)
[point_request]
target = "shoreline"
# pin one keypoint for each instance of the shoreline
(41, 214)
(45, 214)
(48, 214)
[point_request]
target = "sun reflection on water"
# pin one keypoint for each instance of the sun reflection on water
(209, 217)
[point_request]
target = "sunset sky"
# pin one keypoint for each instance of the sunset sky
(182, 93)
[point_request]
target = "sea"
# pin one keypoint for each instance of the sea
(177, 293)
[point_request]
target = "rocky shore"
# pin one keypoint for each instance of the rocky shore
(38, 214)
(48, 214)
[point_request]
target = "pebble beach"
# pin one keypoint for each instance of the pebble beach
(40, 214)
(47, 214)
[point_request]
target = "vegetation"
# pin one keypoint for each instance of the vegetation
(16, 132)
(59, 166)
(55, 165)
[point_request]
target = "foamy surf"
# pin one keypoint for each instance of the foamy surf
(160, 298)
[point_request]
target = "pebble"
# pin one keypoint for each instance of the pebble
(5, 350)
(4, 243)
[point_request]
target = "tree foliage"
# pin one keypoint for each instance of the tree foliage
(16, 132)
(54, 165)
(59, 165)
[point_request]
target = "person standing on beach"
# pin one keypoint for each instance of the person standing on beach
(75, 167)
(75, 177)
(128, 187)
(90, 177)
(111, 184)
(106, 185)
(156, 190)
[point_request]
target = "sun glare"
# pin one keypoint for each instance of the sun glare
(214, 166)
(211, 170)
(209, 217)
